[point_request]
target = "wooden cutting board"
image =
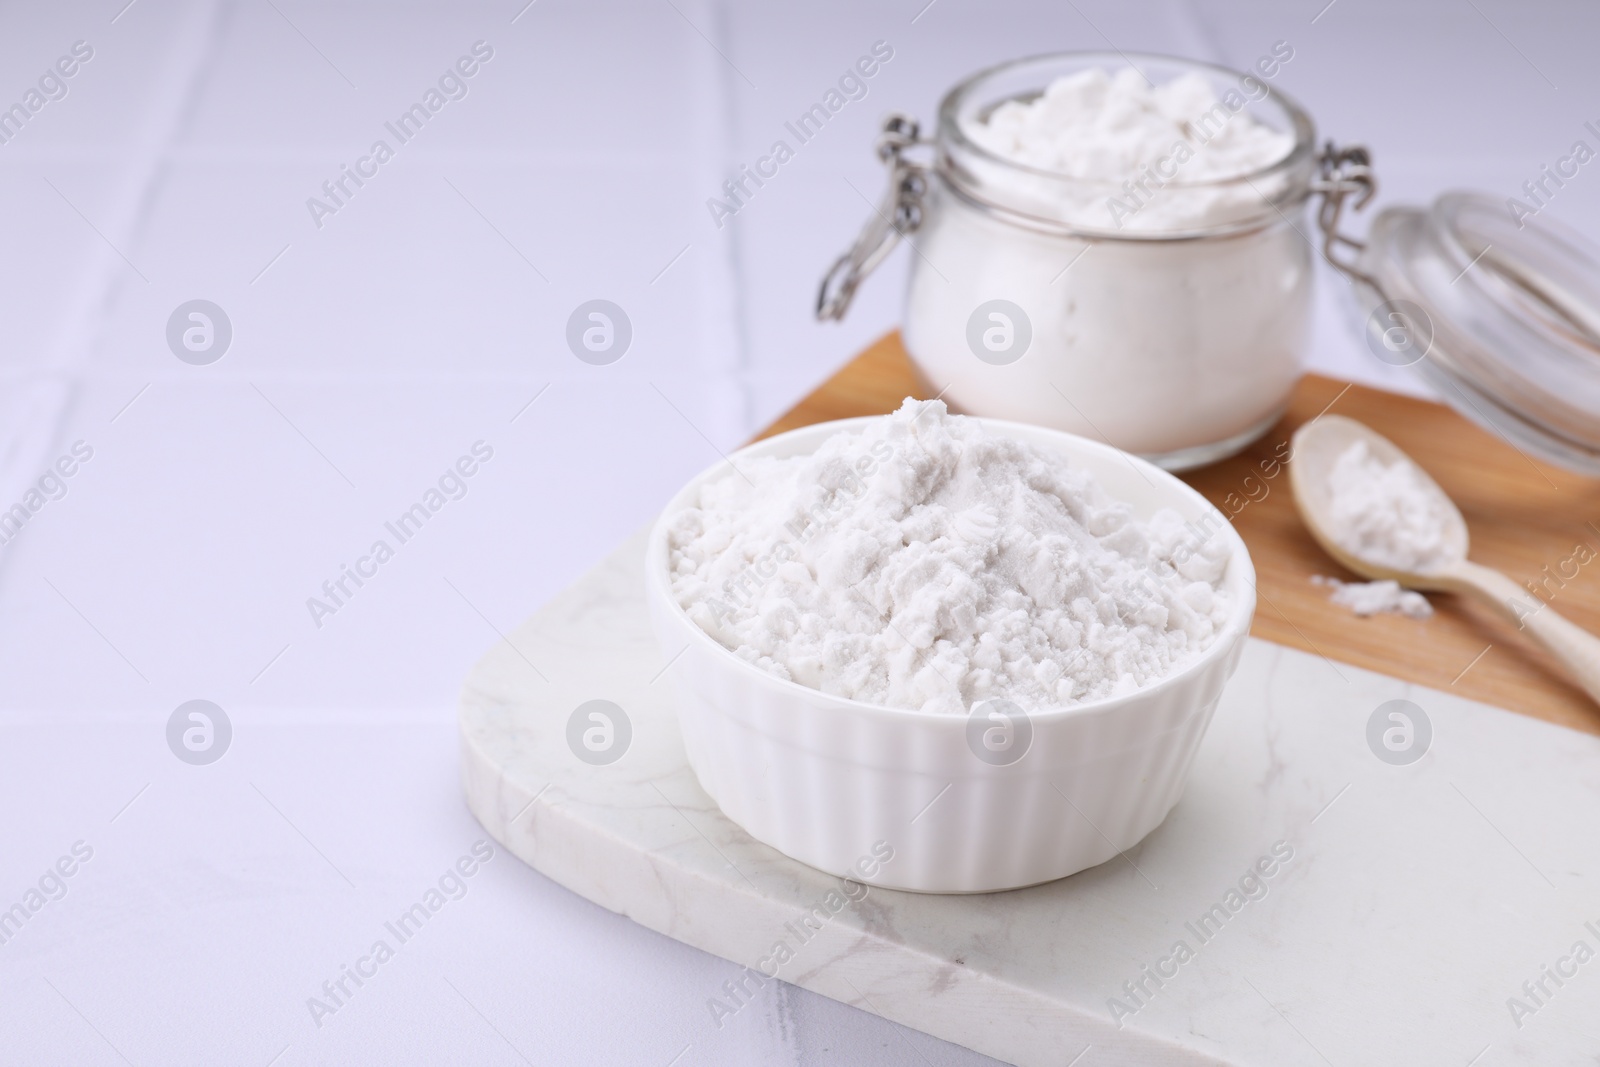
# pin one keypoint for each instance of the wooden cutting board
(1535, 522)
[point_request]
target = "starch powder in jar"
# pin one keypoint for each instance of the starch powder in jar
(1101, 129)
(925, 562)
(1118, 260)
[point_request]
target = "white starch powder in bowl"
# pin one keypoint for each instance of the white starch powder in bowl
(925, 562)
(1151, 286)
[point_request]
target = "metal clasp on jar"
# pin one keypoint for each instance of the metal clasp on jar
(1343, 173)
(898, 214)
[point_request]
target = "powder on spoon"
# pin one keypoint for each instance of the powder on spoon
(1390, 516)
(925, 562)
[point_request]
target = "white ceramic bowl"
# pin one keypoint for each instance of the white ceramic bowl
(824, 779)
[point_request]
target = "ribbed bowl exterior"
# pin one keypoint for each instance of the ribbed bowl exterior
(823, 779)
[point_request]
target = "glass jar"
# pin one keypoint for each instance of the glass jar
(1165, 317)
(1498, 313)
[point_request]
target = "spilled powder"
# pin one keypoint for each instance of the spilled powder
(924, 562)
(1371, 598)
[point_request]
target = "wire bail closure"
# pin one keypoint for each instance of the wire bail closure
(899, 213)
(1342, 173)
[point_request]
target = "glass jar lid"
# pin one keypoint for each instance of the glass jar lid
(1500, 315)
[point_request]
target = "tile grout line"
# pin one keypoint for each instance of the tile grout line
(57, 383)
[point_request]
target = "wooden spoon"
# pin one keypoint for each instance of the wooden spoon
(1322, 440)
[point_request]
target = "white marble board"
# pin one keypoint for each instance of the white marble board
(1427, 915)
